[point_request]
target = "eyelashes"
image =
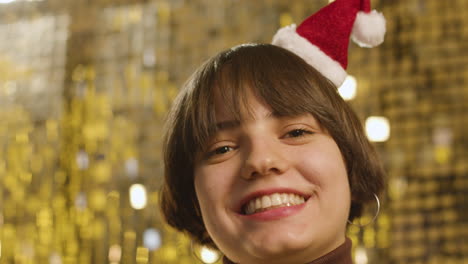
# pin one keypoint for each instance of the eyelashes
(298, 132)
(291, 135)
(221, 150)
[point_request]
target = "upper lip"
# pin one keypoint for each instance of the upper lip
(263, 192)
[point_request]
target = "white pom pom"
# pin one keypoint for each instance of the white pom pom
(369, 29)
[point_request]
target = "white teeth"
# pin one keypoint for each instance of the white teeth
(258, 204)
(250, 207)
(275, 199)
(301, 200)
(266, 201)
(272, 201)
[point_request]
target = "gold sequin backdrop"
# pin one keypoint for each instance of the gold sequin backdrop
(85, 85)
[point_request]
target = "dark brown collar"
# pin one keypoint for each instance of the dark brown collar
(340, 255)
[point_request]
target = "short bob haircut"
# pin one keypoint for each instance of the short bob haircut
(288, 85)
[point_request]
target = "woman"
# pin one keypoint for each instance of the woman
(265, 161)
(254, 123)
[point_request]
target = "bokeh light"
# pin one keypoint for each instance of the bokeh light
(377, 128)
(360, 256)
(348, 89)
(115, 253)
(208, 255)
(138, 197)
(152, 239)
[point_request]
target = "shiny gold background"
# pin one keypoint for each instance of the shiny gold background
(85, 85)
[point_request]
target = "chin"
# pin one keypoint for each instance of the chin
(290, 248)
(277, 248)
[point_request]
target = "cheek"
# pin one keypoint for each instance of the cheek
(203, 188)
(211, 185)
(213, 189)
(325, 167)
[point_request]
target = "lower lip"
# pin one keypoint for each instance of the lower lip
(275, 214)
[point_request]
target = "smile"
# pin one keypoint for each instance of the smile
(272, 201)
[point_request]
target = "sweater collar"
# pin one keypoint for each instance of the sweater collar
(340, 255)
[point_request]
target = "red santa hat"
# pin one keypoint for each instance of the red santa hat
(323, 38)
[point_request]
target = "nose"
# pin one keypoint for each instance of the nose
(264, 158)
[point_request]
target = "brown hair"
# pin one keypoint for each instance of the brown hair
(289, 86)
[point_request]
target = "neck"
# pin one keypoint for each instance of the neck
(340, 255)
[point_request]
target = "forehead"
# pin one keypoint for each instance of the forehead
(255, 110)
(235, 91)
(247, 99)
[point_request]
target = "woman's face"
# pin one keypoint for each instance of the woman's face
(272, 189)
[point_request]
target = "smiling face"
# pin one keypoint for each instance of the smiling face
(272, 189)
(263, 161)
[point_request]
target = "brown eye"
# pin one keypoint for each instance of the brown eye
(221, 150)
(298, 133)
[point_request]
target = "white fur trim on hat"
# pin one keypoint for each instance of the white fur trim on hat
(288, 38)
(368, 29)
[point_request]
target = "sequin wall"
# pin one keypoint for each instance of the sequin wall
(85, 85)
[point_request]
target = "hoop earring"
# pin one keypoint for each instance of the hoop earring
(375, 216)
(214, 260)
